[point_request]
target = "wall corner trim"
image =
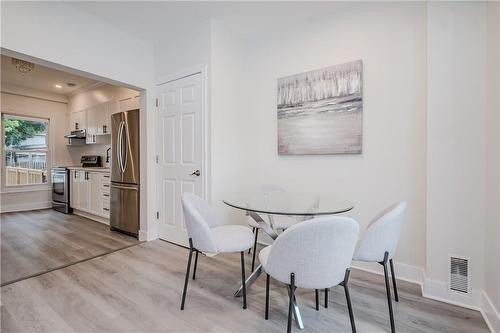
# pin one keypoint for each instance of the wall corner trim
(490, 313)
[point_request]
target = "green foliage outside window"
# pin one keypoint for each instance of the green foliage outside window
(17, 130)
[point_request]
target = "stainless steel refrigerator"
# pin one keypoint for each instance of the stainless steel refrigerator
(124, 215)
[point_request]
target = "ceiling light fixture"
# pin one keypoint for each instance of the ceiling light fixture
(24, 67)
(58, 86)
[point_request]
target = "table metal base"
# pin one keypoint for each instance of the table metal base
(250, 280)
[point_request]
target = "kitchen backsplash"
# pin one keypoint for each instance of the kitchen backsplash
(77, 152)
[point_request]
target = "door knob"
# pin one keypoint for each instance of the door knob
(197, 173)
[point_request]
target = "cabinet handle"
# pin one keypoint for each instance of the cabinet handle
(105, 195)
(106, 209)
(105, 185)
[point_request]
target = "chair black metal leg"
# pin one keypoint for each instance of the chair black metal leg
(187, 273)
(242, 254)
(348, 300)
(254, 248)
(388, 290)
(326, 297)
(395, 287)
(250, 249)
(268, 278)
(195, 264)
(317, 299)
(290, 306)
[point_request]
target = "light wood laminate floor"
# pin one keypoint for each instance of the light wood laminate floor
(41, 240)
(138, 289)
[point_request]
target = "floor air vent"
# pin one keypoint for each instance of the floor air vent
(459, 274)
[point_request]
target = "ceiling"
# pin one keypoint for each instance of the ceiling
(152, 21)
(42, 78)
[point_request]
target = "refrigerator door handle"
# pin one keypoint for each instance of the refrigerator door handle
(124, 147)
(119, 147)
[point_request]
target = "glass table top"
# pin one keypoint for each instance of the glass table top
(280, 202)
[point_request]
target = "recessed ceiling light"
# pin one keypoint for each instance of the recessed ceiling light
(58, 86)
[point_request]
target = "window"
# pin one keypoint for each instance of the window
(25, 148)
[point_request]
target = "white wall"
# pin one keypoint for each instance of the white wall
(42, 106)
(183, 51)
(492, 230)
(392, 166)
(58, 33)
(93, 97)
(229, 68)
(456, 85)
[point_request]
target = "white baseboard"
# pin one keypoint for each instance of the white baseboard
(490, 313)
(143, 236)
(403, 271)
(25, 206)
(438, 290)
(93, 217)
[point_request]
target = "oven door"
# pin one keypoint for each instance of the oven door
(59, 188)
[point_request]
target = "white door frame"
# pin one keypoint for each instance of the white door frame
(205, 124)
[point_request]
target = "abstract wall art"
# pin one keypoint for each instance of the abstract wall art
(321, 111)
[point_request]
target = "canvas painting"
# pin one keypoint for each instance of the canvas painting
(321, 111)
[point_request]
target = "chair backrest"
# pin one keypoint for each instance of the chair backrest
(317, 251)
(199, 217)
(382, 234)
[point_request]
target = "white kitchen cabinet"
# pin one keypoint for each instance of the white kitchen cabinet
(92, 120)
(97, 120)
(90, 192)
(71, 122)
(77, 121)
(130, 104)
(111, 107)
(94, 193)
(84, 191)
(74, 189)
(105, 194)
(81, 120)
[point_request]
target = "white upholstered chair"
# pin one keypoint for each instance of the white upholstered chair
(379, 243)
(314, 254)
(277, 222)
(208, 235)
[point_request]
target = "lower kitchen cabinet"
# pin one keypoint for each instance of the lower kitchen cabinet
(94, 193)
(89, 192)
(84, 191)
(74, 189)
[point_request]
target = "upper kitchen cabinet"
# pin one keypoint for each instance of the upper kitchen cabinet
(99, 122)
(77, 120)
(130, 104)
(99, 118)
(111, 107)
(92, 120)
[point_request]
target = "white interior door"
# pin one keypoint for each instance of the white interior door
(180, 139)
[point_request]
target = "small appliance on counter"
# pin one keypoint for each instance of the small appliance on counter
(60, 190)
(91, 161)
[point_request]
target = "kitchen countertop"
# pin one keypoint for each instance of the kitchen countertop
(97, 169)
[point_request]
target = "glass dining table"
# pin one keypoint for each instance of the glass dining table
(265, 205)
